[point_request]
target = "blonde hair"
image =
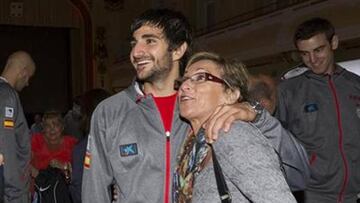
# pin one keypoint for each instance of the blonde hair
(233, 72)
(53, 115)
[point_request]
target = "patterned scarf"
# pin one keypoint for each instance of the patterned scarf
(193, 157)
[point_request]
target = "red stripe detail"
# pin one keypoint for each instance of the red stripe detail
(312, 158)
(341, 147)
(167, 170)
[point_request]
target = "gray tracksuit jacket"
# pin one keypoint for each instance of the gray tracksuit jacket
(14, 145)
(127, 145)
(323, 112)
(251, 169)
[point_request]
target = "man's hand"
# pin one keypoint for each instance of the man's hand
(224, 116)
(56, 164)
(1, 159)
(115, 192)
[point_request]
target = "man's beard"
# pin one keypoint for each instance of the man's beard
(159, 71)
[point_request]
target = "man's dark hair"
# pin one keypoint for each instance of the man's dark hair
(312, 27)
(175, 27)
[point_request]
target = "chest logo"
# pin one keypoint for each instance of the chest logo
(128, 150)
(311, 108)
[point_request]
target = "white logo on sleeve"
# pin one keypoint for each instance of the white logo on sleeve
(9, 112)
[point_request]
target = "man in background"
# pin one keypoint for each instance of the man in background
(74, 119)
(14, 133)
(36, 127)
(262, 88)
(321, 107)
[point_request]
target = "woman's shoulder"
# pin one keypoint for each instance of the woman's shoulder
(242, 135)
(242, 130)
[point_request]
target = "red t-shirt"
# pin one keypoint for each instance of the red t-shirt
(166, 107)
(42, 155)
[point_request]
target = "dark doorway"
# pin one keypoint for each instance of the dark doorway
(50, 88)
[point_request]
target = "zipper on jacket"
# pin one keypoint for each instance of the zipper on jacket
(341, 147)
(167, 167)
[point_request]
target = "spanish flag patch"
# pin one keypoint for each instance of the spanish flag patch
(9, 124)
(87, 160)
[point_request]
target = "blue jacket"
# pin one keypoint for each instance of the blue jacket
(78, 156)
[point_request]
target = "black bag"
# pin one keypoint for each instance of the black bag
(51, 187)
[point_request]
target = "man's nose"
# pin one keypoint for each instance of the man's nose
(312, 57)
(138, 50)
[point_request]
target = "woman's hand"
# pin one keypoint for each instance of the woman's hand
(57, 164)
(65, 167)
(224, 116)
(115, 192)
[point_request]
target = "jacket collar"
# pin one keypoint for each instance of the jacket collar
(338, 71)
(134, 91)
(4, 79)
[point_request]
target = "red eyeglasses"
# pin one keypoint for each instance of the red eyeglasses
(199, 78)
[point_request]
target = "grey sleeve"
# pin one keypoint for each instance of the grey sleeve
(291, 152)
(98, 173)
(281, 108)
(7, 104)
(15, 147)
(252, 165)
(293, 155)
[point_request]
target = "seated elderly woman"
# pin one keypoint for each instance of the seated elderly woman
(51, 147)
(249, 163)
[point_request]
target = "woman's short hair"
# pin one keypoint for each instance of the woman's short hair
(232, 71)
(53, 115)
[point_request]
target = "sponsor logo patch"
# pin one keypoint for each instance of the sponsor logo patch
(128, 149)
(9, 112)
(311, 108)
(9, 124)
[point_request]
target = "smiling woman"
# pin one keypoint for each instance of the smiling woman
(250, 164)
(210, 81)
(51, 147)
